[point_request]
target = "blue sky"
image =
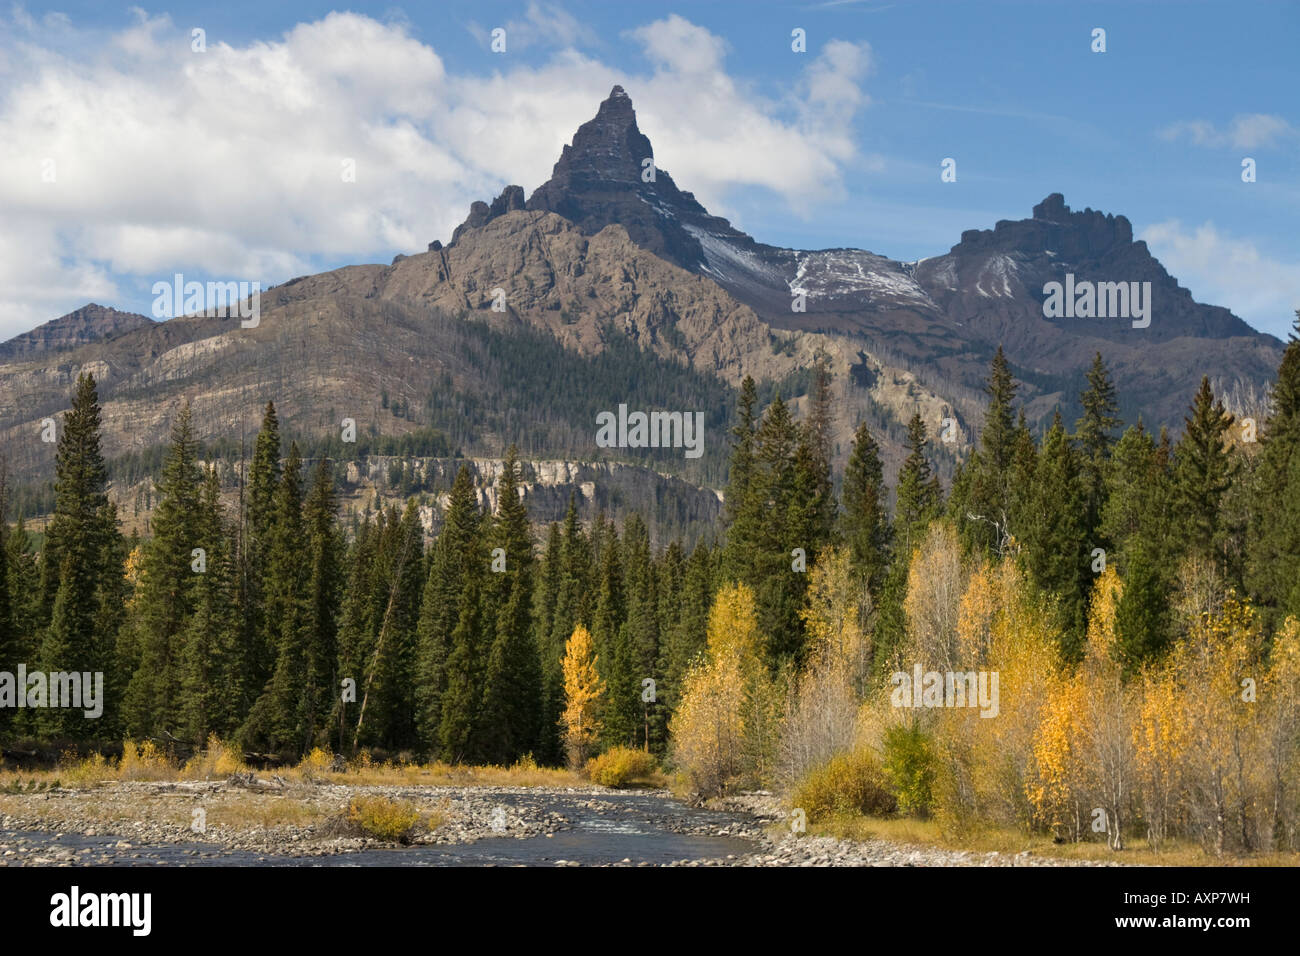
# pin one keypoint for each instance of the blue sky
(160, 169)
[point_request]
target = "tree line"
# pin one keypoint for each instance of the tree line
(268, 623)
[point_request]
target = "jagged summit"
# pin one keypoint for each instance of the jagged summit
(1053, 226)
(607, 175)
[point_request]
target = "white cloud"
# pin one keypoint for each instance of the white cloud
(228, 163)
(1246, 131)
(1222, 270)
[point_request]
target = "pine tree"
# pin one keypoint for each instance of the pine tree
(1056, 545)
(1096, 438)
(778, 497)
(641, 639)
(24, 589)
(609, 637)
(455, 558)
(459, 731)
(865, 521)
(669, 575)
(389, 701)
(82, 543)
(1273, 568)
(167, 590)
(572, 607)
(323, 605)
(359, 624)
(740, 517)
(1142, 626)
(918, 502)
(919, 494)
(985, 521)
(58, 646)
(544, 606)
(512, 693)
(1204, 468)
(257, 529)
(211, 663)
(686, 639)
(275, 721)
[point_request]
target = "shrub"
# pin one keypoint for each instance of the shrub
(851, 782)
(910, 764)
(86, 772)
(217, 761)
(145, 762)
(384, 819)
(620, 766)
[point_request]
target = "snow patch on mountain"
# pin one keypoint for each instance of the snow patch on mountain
(854, 272)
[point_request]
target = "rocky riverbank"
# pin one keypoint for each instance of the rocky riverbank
(275, 823)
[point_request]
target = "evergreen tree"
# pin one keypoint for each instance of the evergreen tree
(460, 728)
(210, 667)
(1273, 571)
(740, 517)
(323, 605)
(609, 638)
(1204, 468)
(81, 547)
(257, 529)
(167, 589)
(276, 719)
(986, 518)
(686, 639)
(455, 557)
(1142, 627)
(1096, 438)
(778, 497)
(512, 694)
(358, 627)
(391, 713)
(572, 608)
(24, 589)
(641, 638)
(865, 521)
(1056, 546)
(544, 606)
(918, 501)
(919, 495)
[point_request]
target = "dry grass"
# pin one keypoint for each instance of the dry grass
(146, 762)
(1009, 841)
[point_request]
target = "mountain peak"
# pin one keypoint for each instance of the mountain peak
(90, 323)
(1053, 208)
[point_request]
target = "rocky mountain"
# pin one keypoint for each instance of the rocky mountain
(943, 315)
(611, 286)
(90, 323)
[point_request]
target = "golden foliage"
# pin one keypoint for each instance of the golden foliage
(851, 782)
(584, 694)
(384, 819)
(724, 732)
(621, 766)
